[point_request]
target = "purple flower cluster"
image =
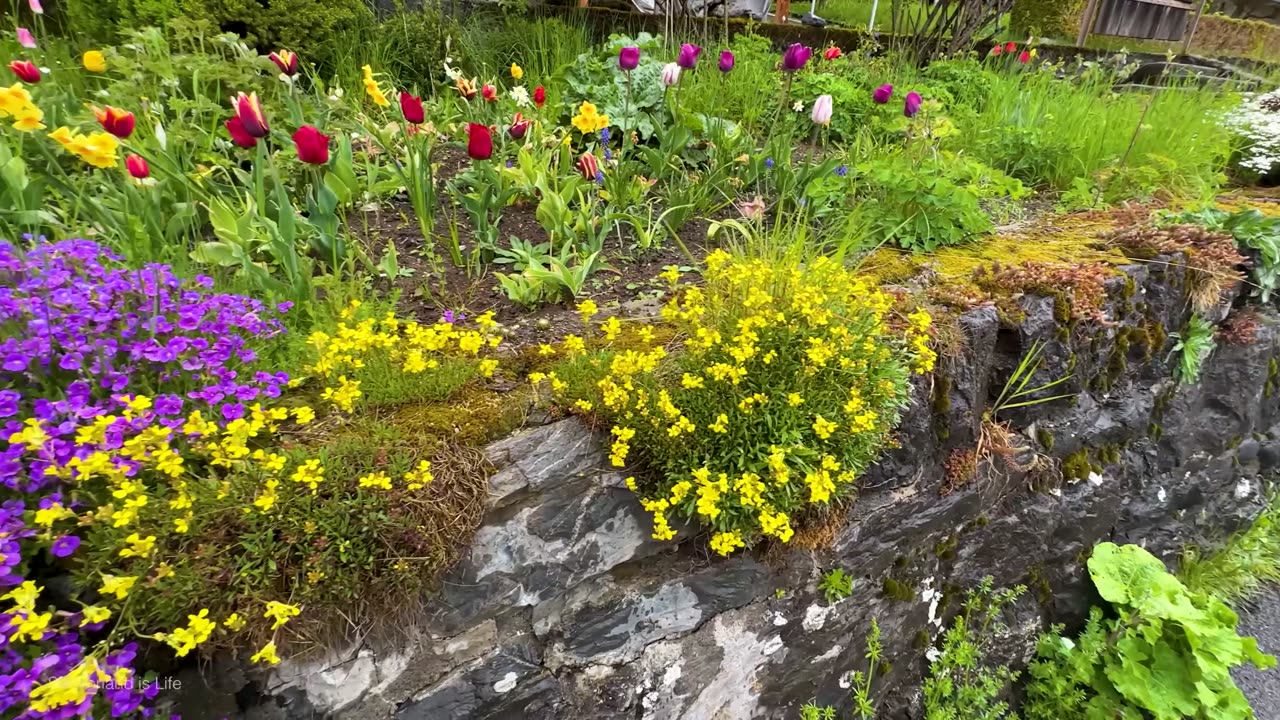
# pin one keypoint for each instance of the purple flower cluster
(82, 337)
(18, 677)
(80, 334)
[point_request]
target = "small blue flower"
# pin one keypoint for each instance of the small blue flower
(508, 163)
(604, 135)
(607, 155)
(842, 170)
(600, 176)
(768, 162)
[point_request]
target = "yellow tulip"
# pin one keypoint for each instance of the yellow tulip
(94, 61)
(517, 72)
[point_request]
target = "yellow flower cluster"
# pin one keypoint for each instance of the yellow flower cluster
(387, 349)
(97, 148)
(371, 88)
(918, 324)
(15, 103)
(589, 120)
(786, 372)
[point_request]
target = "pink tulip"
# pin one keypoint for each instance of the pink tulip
(821, 110)
(26, 39)
(36, 7)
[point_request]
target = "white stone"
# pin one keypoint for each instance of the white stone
(507, 683)
(815, 616)
(831, 654)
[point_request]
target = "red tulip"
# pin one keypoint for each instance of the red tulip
(249, 113)
(312, 145)
(411, 107)
(286, 61)
(588, 166)
(239, 135)
(1010, 46)
(1024, 57)
(137, 166)
(489, 92)
(26, 71)
(997, 50)
(539, 96)
(519, 126)
(832, 53)
(479, 141)
(115, 121)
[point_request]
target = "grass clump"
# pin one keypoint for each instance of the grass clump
(1238, 570)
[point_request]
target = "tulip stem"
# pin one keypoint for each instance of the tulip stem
(626, 116)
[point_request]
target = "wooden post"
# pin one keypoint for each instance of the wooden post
(1086, 22)
(782, 12)
(1191, 33)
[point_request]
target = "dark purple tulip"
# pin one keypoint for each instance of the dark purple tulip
(629, 58)
(882, 94)
(795, 57)
(688, 56)
(912, 104)
(726, 61)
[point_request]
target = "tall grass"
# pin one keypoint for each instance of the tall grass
(1051, 131)
(542, 47)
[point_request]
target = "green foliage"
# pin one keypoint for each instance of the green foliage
(961, 686)
(1052, 18)
(1252, 230)
(595, 77)
(918, 208)
(1195, 343)
(1238, 570)
(1165, 653)
(965, 79)
(836, 585)
(850, 93)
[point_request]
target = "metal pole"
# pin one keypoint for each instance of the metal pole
(1191, 34)
(871, 24)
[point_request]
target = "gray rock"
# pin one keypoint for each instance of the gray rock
(564, 607)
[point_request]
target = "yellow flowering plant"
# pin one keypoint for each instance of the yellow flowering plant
(785, 388)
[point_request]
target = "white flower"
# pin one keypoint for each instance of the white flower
(798, 107)
(520, 95)
(933, 654)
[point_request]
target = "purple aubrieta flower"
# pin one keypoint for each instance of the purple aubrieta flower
(64, 546)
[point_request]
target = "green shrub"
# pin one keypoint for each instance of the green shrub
(919, 205)
(961, 685)
(1053, 18)
(850, 98)
(312, 28)
(965, 79)
(1163, 651)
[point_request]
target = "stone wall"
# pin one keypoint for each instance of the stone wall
(564, 608)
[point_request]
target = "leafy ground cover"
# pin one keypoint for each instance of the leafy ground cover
(252, 348)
